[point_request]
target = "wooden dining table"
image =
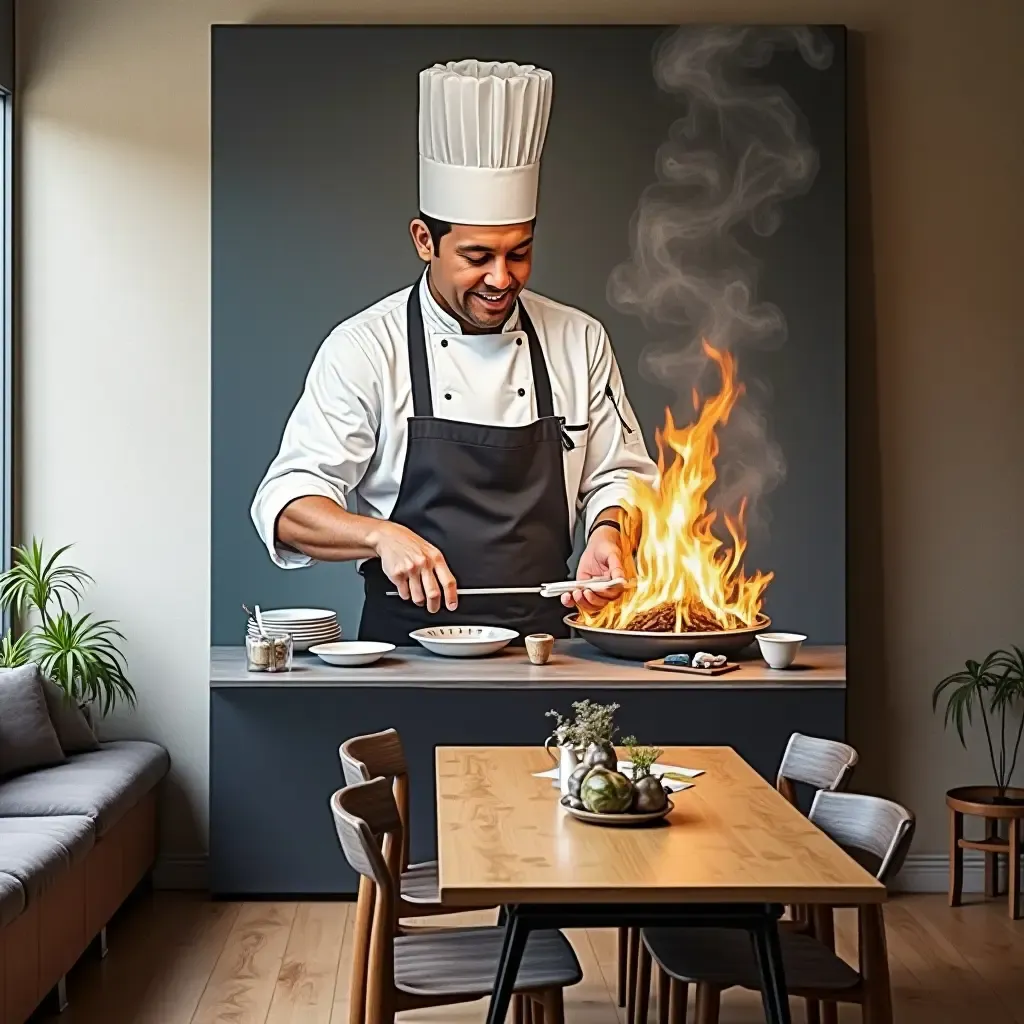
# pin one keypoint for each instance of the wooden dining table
(733, 852)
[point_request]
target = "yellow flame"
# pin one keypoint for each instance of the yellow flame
(685, 574)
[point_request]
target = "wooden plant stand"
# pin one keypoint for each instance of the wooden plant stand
(980, 802)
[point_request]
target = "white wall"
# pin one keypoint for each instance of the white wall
(114, 437)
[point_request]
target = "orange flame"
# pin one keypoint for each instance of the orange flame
(679, 565)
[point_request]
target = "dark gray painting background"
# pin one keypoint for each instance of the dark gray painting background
(314, 181)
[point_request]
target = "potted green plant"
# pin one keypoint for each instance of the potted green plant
(997, 681)
(77, 651)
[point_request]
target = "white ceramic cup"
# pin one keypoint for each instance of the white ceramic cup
(779, 649)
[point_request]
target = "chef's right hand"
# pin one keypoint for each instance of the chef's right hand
(417, 568)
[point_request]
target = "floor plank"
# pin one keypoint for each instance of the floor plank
(304, 993)
(242, 985)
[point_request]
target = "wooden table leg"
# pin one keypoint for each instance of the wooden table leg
(991, 859)
(956, 858)
(1013, 871)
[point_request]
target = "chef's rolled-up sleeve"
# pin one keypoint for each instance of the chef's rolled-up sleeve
(615, 444)
(327, 442)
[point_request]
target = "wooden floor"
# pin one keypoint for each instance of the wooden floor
(176, 959)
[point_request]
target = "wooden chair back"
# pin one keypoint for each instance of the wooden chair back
(380, 755)
(823, 764)
(369, 828)
(878, 830)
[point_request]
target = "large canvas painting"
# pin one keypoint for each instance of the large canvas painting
(691, 200)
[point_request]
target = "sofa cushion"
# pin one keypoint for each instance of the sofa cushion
(34, 858)
(102, 785)
(27, 737)
(73, 831)
(70, 724)
(12, 899)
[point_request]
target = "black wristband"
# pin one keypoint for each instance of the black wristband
(613, 523)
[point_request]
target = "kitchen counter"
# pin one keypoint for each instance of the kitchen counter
(274, 737)
(573, 661)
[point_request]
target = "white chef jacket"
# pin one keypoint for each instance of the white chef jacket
(346, 437)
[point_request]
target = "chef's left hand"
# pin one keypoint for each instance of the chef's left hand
(602, 557)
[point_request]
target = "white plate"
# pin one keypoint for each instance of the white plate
(294, 630)
(305, 644)
(294, 615)
(463, 641)
(351, 652)
(295, 624)
(320, 638)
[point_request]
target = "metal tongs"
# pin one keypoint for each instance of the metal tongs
(598, 583)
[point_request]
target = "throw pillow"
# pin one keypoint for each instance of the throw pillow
(27, 736)
(71, 725)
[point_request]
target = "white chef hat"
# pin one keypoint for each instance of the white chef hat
(482, 130)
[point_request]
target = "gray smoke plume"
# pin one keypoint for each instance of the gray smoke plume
(739, 150)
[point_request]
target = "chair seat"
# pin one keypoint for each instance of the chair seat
(464, 961)
(419, 883)
(724, 957)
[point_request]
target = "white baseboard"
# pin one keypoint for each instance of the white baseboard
(180, 873)
(929, 872)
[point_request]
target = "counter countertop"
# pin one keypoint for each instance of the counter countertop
(573, 662)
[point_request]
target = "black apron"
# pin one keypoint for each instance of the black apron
(490, 498)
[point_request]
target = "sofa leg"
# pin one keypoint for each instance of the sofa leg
(58, 996)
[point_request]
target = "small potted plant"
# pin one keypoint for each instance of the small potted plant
(77, 651)
(998, 682)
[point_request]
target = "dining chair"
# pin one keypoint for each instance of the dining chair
(367, 757)
(811, 760)
(412, 970)
(875, 831)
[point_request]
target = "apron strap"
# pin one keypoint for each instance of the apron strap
(541, 380)
(419, 371)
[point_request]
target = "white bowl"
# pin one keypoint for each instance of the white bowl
(463, 641)
(779, 649)
(348, 653)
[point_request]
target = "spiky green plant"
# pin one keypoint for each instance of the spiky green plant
(78, 652)
(999, 681)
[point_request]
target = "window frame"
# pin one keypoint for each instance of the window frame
(7, 364)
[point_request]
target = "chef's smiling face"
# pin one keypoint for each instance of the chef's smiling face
(477, 272)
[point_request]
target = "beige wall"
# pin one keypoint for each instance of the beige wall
(114, 436)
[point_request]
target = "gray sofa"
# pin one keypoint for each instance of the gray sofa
(78, 832)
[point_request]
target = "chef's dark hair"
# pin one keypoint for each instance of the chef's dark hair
(439, 228)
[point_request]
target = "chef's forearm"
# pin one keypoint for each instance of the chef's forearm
(322, 529)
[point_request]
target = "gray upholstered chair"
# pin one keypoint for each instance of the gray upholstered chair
(820, 763)
(878, 833)
(444, 966)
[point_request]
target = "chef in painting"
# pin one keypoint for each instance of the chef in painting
(451, 434)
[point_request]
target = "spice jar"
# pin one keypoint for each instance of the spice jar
(268, 654)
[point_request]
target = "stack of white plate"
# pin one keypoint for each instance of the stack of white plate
(306, 626)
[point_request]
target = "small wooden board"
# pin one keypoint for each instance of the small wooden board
(715, 670)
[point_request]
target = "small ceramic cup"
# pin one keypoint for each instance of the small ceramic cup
(779, 649)
(539, 646)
